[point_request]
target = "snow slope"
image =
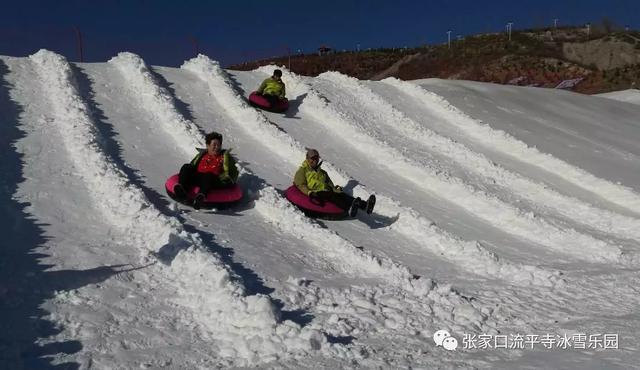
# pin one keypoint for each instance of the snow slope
(629, 96)
(501, 211)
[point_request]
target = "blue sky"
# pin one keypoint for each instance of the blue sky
(233, 31)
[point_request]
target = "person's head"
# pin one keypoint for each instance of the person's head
(277, 74)
(313, 157)
(214, 142)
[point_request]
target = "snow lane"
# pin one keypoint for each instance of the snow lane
(377, 113)
(501, 141)
(474, 256)
(241, 325)
(339, 116)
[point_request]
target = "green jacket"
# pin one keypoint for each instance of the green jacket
(272, 87)
(309, 180)
(229, 170)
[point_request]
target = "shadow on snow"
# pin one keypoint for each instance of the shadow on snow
(25, 285)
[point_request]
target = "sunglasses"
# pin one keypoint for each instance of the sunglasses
(315, 157)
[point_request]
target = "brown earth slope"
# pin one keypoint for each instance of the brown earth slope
(598, 62)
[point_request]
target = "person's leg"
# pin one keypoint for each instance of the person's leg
(342, 200)
(206, 181)
(185, 181)
(187, 175)
(273, 100)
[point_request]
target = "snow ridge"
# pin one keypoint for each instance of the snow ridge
(503, 142)
(246, 329)
(158, 101)
(495, 212)
(572, 208)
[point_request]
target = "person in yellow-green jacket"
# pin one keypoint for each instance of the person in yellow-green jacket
(272, 88)
(315, 182)
(209, 169)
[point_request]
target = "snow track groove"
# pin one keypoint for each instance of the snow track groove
(240, 325)
(487, 207)
(377, 112)
(501, 141)
(471, 255)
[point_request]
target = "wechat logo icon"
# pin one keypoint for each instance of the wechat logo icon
(444, 339)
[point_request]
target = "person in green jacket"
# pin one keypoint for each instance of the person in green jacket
(315, 182)
(210, 168)
(273, 88)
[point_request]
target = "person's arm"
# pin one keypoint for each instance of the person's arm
(262, 86)
(329, 182)
(194, 161)
(229, 169)
(283, 92)
(300, 180)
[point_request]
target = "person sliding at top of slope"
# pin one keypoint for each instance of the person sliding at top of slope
(314, 182)
(272, 88)
(209, 169)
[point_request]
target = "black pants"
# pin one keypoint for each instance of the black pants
(190, 177)
(340, 199)
(272, 99)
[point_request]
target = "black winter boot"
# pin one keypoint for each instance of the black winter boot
(353, 210)
(371, 202)
(199, 200)
(179, 191)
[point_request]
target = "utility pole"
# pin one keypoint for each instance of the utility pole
(509, 25)
(289, 54)
(194, 41)
(555, 23)
(449, 39)
(79, 43)
(588, 30)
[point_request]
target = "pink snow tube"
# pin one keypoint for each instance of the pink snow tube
(330, 210)
(262, 103)
(215, 197)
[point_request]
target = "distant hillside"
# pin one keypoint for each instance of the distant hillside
(605, 59)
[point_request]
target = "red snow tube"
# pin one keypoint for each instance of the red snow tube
(215, 198)
(262, 103)
(328, 210)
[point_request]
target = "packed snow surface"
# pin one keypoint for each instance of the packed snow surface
(507, 216)
(629, 96)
